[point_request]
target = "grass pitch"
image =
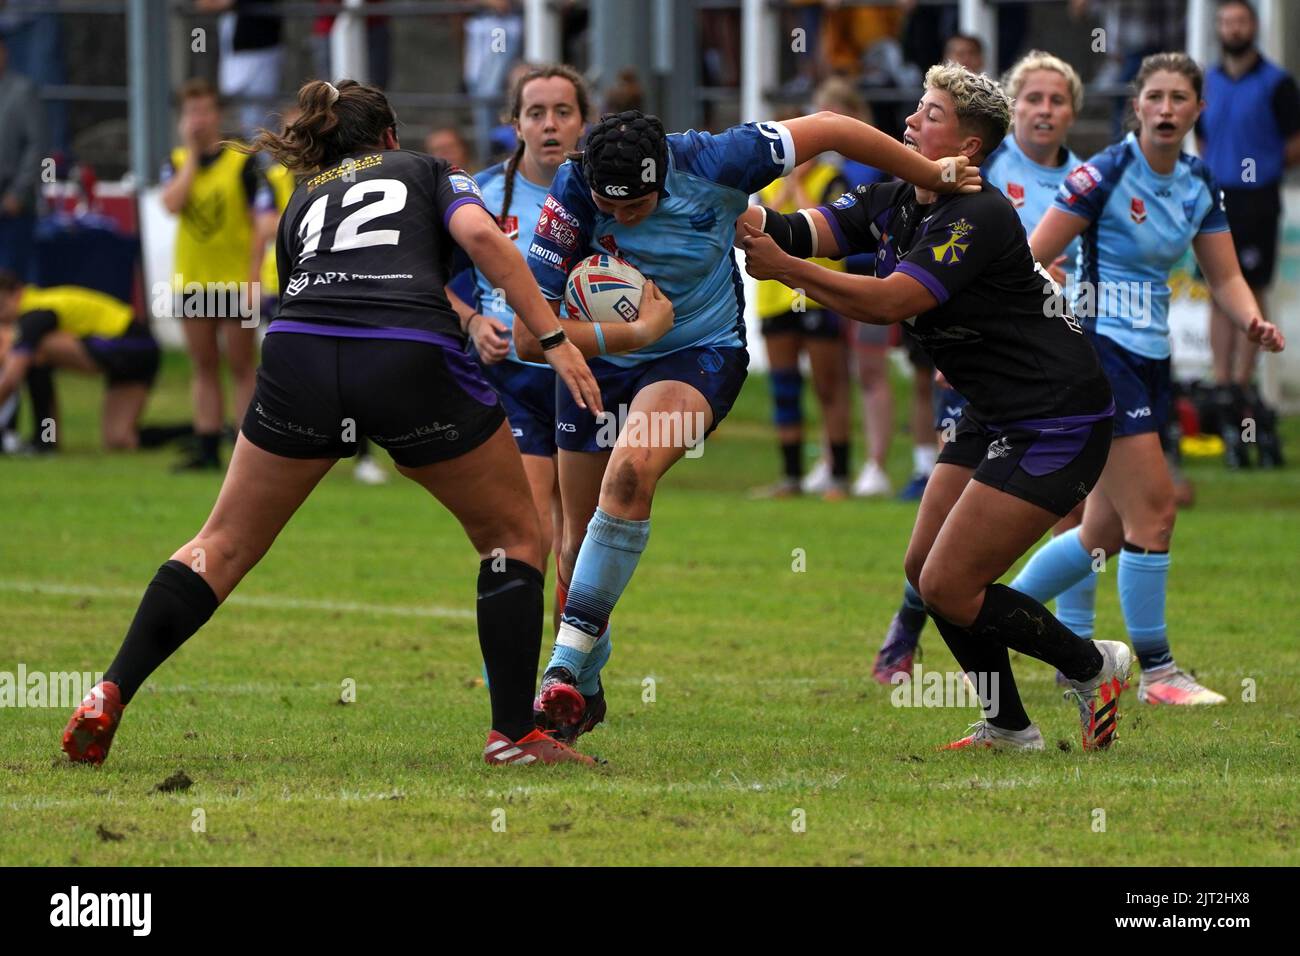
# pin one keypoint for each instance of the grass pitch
(744, 727)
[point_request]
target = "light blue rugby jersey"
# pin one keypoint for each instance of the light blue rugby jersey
(1030, 186)
(1140, 225)
(525, 207)
(685, 245)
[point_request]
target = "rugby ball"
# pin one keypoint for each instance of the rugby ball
(604, 288)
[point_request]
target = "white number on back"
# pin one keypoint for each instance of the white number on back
(348, 234)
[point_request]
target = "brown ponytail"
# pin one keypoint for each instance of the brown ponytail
(546, 72)
(334, 122)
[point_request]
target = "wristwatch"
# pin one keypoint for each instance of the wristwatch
(552, 339)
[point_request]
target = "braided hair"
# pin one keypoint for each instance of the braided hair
(546, 72)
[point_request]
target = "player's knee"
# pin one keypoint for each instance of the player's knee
(629, 484)
(945, 595)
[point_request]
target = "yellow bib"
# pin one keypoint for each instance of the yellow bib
(80, 311)
(214, 238)
(774, 298)
(283, 185)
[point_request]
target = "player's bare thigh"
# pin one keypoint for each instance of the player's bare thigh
(945, 486)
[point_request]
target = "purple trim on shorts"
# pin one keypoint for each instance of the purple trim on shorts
(463, 368)
(1059, 441)
(934, 286)
(446, 217)
(835, 228)
(1055, 424)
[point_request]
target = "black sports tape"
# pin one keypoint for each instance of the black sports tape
(790, 231)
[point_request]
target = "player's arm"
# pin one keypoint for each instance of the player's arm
(805, 230)
(1217, 257)
(654, 321)
(497, 258)
(176, 190)
(826, 131)
(1053, 235)
(489, 334)
(857, 297)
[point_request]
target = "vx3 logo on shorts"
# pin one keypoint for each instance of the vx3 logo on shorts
(1143, 412)
(566, 427)
(999, 448)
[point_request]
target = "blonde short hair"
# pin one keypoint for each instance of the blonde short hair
(1039, 60)
(983, 107)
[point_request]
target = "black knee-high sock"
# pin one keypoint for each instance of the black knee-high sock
(176, 603)
(990, 668)
(1022, 624)
(40, 388)
(510, 608)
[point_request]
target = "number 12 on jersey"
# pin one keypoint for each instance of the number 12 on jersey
(348, 235)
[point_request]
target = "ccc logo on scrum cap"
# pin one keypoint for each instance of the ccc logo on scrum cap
(615, 190)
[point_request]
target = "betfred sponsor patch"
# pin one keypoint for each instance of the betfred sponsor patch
(554, 229)
(556, 208)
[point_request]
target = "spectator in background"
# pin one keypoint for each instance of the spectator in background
(626, 93)
(35, 42)
(965, 49)
(1249, 134)
(792, 324)
(445, 142)
(494, 40)
(21, 147)
(215, 191)
(870, 343)
(251, 57)
(378, 45)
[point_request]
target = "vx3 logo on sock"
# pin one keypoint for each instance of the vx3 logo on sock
(580, 624)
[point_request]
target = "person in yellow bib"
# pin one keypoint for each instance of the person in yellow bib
(793, 323)
(216, 191)
(86, 331)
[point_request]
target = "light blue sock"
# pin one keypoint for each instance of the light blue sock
(589, 676)
(1076, 606)
(911, 599)
(608, 556)
(1143, 579)
(1056, 566)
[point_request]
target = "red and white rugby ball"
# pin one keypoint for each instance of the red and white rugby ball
(604, 288)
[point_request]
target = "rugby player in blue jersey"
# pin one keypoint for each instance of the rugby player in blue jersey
(668, 205)
(548, 107)
(1138, 205)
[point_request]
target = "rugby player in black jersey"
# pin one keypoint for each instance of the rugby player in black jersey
(957, 268)
(366, 343)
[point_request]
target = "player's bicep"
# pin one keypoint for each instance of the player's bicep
(1054, 233)
(828, 243)
(1216, 254)
(905, 294)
